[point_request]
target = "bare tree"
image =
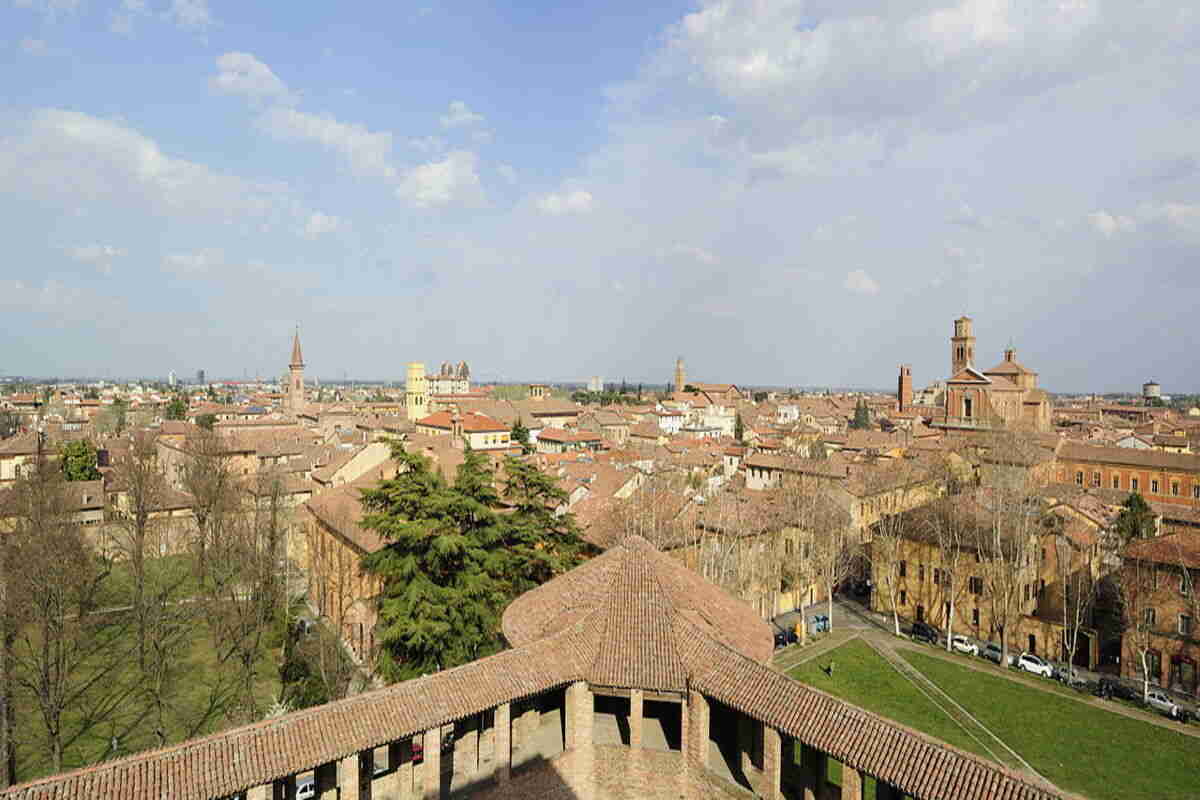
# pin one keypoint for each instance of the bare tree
(67, 652)
(1137, 583)
(1078, 586)
(208, 477)
(953, 530)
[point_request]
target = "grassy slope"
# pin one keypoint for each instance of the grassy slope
(1079, 747)
(864, 678)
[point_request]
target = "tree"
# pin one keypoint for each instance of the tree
(739, 430)
(65, 655)
(177, 408)
(1137, 580)
(9, 423)
(520, 435)
(690, 389)
(78, 460)
(862, 416)
(897, 480)
(1136, 520)
(206, 421)
(441, 572)
(760, 397)
(208, 478)
(1077, 587)
(540, 542)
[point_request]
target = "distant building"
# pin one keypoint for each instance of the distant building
(200, 377)
(451, 379)
(295, 386)
(1151, 391)
(596, 384)
(171, 378)
(1005, 396)
(680, 375)
(416, 392)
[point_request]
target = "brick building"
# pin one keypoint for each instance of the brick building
(1160, 477)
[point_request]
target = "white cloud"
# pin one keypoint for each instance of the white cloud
(100, 255)
(577, 201)
(191, 15)
(243, 74)
(453, 181)
(76, 158)
(1181, 215)
(33, 47)
(460, 116)
(508, 172)
(860, 282)
(1108, 225)
(194, 263)
(319, 224)
(368, 153)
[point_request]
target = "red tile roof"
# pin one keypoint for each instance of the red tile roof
(471, 422)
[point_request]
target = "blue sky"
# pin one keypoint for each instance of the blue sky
(797, 192)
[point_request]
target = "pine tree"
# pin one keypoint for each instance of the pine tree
(739, 430)
(1136, 520)
(540, 544)
(79, 461)
(862, 417)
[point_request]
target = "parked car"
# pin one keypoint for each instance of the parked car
(964, 645)
(784, 636)
(306, 789)
(1031, 663)
(924, 632)
(819, 623)
(992, 653)
(1111, 687)
(1161, 702)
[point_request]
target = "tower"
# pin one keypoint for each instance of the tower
(295, 390)
(416, 393)
(962, 346)
(680, 375)
(904, 392)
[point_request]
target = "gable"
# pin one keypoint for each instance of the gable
(969, 375)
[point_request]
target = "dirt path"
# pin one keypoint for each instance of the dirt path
(793, 656)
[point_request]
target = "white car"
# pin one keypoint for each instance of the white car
(964, 645)
(306, 789)
(1031, 663)
(1159, 701)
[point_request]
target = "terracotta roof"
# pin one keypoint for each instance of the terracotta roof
(471, 422)
(1175, 548)
(563, 435)
(1075, 451)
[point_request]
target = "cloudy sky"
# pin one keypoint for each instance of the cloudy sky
(792, 192)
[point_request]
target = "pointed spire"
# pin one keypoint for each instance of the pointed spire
(297, 359)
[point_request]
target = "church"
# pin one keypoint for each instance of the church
(1005, 397)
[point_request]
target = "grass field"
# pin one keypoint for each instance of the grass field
(1079, 747)
(861, 676)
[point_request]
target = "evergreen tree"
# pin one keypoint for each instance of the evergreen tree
(520, 434)
(1136, 520)
(862, 417)
(79, 461)
(739, 430)
(540, 544)
(177, 408)
(442, 588)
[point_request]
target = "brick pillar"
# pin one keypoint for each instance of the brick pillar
(502, 760)
(772, 776)
(466, 747)
(348, 774)
(635, 718)
(401, 764)
(258, 793)
(698, 721)
(326, 777)
(579, 709)
(685, 748)
(852, 783)
(745, 739)
(431, 769)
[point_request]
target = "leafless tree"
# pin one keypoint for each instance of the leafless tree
(67, 652)
(952, 529)
(1078, 586)
(208, 477)
(1137, 583)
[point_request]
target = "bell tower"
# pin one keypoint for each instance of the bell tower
(295, 390)
(962, 346)
(680, 375)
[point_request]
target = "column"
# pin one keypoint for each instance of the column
(635, 718)
(258, 793)
(852, 783)
(431, 769)
(698, 721)
(580, 705)
(400, 777)
(502, 760)
(772, 775)
(745, 739)
(466, 747)
(326, 777)
(350, 774)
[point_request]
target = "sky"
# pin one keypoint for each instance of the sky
(797, 192)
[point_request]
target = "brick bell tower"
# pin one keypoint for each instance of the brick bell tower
(904, 390)
(962, 346)
(295, 390)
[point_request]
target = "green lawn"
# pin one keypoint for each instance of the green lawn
(1079, 747)
(863, 677)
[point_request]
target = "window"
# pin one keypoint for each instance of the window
(788, 546)
(975, 617)
(937, 576)
(903, 597)
(1185, 624)
(1079, 478)
(1043, 555)
(1175, 488)
(1134, 484)
(1025, 593)
(903, 568)
(1096, 479)
(946, 610)
(1196, 492)
(975, 585)
(921, 573)
(1154, 486)
(1041, 587)
(1148, 617)
(1116, 481)
(1183, 582)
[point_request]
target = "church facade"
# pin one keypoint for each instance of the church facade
(1004, 397)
